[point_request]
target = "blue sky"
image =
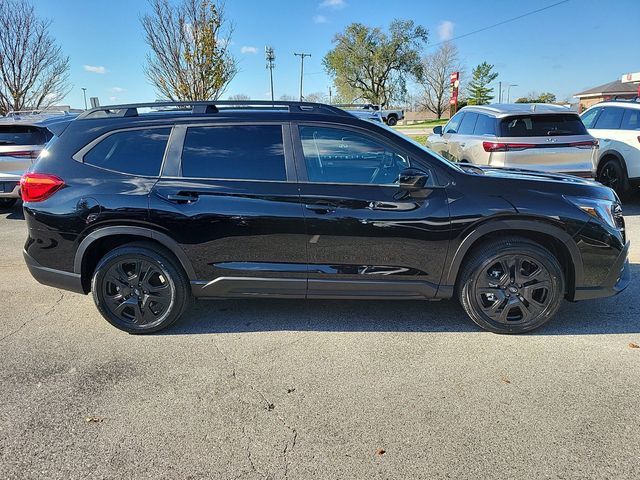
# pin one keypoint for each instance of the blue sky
(565, 49)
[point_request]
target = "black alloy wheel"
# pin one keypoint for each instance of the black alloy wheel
(512, 286)
(612, 175)
(139, 290)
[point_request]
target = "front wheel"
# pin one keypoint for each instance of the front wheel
(612, 174)
(392, 121)
(139, 289)
(511, 286)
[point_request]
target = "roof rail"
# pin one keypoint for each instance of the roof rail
(210, 107)
(635, 99)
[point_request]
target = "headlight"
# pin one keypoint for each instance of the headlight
(610, 212)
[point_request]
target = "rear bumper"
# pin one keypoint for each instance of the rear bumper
(53, 278)
(617, 280)
(9, 188)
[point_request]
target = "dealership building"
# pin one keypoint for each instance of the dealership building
(622, 89)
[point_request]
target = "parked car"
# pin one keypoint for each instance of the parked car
(616, 124)
(390, 117)
(542, 137)
(372, 116)
(303, 200)
(22, 137)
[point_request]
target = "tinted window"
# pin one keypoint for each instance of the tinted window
(588, 118)
(239, 152)
(631, 120)
(468, 123)
(138, 152)
(485, 125)
(542, 125)
(610, 118)
(452, 126)
(343, 156)
(22, 135)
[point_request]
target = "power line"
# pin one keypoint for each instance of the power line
(500, 23)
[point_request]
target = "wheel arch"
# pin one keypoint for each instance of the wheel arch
(610, 153)
(551, 237)
(94, 245)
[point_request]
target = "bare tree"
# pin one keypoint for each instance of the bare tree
(240, 97)
(288, 98)
(316, 97)
(434, 78)
(190, 57)
(33, 72)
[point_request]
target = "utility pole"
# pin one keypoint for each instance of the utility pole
(270, 56)
(330, 102)
(499, 92)
(301, 55)
(509, 91)
(84, 94)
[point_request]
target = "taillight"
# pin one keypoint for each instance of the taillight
(505, 147)
(23, 154)
(586, 144)
(639, 138)
(35, 187)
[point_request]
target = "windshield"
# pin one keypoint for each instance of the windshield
(423, 148)
(22, 135)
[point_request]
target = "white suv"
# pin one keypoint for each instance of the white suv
(616, 124)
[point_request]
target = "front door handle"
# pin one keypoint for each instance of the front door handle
(183, 197)
(321, 208)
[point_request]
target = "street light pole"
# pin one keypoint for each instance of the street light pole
(301, 55)
(270, 56)
(84, 94)
(509, 91)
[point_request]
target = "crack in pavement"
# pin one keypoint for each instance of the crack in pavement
(269, 407)
(34, 318)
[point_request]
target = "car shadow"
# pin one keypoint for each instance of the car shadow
(616, 315)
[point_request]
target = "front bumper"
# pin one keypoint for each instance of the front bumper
(54, 278)
(616, 281)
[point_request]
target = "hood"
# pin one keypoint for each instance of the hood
(520, 174)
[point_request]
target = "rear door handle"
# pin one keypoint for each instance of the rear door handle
(183, 197)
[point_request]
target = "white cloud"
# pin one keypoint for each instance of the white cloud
(113, 99)
(116, 89)
(320, 19)
(95, 69)
(336, 4)
(445, 30)
(246, 49)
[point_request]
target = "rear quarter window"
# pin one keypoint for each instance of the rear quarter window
(136, 152)
(542, 125)
(631, 119)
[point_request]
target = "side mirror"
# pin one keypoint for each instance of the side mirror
(412, 179)
(437, 130)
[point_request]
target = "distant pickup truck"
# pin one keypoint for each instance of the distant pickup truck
(390, 117)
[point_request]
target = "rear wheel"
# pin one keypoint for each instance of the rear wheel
(613, 175)
(511, 286)
(140, 290)
(6, 203)
(392, 120)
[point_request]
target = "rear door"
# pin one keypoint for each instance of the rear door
(366, 237)
(228, 195)
(556, 142)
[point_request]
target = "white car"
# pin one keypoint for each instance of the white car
(616, 124)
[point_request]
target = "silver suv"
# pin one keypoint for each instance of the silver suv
(542, 137)
(23, 135)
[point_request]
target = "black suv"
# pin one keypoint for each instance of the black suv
(302, 200)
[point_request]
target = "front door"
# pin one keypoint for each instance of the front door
(365, 236)
(229, 197)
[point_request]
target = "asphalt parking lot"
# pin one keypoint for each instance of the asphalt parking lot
(318, 389)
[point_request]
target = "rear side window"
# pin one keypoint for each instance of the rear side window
(631, 119)
(238, 152)
(542, 125)
(138, 152)
(610, 118)
(23, 135)
(485, 125)
(468, 123)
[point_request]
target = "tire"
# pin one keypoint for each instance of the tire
(613, 175)
(392, 120)
(511, 286)
(139, 289)
(7, 203)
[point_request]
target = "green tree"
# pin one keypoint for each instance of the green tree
(189, 41)
(533, 97)
(478, 91)
(370, 64)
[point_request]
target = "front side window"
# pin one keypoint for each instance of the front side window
(610, 118)
(589, 118)
(234, 152)
(334, 155)
(454, 123)
(137, 152)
